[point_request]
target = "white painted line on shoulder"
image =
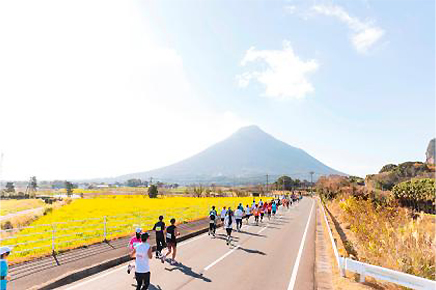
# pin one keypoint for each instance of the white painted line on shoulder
(300, 251)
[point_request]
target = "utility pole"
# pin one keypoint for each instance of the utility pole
(267, 184)
(151, 180)
(311, 182)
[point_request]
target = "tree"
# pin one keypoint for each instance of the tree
(284, 182)
(33, 183)
(134, 182)
(69, 186)
(152, 191)
(10, 187)
(198, 190)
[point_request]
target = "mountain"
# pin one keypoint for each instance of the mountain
(431, 152)
(246, 156)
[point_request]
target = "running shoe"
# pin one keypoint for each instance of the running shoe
(129, 269)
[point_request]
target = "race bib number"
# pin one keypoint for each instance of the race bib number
(158, 229)
(169, 235)
(211, 221)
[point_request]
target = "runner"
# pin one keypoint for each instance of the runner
(256, 215)
(135, 240)
(159, 228)
(262, 212)
(253, 205)
(269, 210)
(142, 253)
(260, 203)
(274, 208)
(223, 214)
(213, 216)
(239, 213)
(5, 278)
(171, 234)
(228, 224)
(247, 213)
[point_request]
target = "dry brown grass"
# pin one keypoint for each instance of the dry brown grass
(386, 237)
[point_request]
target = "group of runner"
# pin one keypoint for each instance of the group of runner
(141, 250)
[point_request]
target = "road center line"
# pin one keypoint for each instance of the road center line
(221, 258)
(300, 251)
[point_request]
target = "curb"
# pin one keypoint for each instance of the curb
(96, 268)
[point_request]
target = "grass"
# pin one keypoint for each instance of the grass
(81, 222)
(387, 236)
(8, 206)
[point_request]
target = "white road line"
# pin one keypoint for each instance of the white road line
(300, 251)
(221, 258)
(99, 276)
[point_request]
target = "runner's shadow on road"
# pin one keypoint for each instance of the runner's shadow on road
(151, 287)
(187, 271)
(224, 237)
(252, 234)
(250, 251)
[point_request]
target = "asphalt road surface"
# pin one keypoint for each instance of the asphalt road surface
(276, 254)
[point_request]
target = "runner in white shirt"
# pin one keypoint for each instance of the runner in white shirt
(143, 254)
(247, 213)
(238, 216)
(223, 214)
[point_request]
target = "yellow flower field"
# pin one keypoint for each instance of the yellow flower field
(87, 221)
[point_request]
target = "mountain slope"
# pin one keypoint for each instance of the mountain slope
(249, 152)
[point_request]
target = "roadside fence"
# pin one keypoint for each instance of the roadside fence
(45, 239)
(377, 272)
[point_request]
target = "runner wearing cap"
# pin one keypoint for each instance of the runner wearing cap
(159, 228)
(171, 234)
(135, 240)
(213, 216)
(4, 277)
(142, 253)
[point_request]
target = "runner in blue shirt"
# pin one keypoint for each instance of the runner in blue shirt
(274, 208)
(5, 278)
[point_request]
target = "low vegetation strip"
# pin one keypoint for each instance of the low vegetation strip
(87, 221)
(10, 206)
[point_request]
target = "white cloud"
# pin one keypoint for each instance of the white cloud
(87, 91)
(365, 33)
(291, 9)
(285, 75)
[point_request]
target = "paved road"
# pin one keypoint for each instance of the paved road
(37, 210)
(271, 255)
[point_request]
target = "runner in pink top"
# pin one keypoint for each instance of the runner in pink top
(135, 240)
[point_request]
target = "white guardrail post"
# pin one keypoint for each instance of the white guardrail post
(105, 228)
(53, 239)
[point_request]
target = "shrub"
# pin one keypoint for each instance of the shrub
(152, 191)
(418, 194)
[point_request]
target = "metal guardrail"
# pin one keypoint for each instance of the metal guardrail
(377, 272)
(51, 237)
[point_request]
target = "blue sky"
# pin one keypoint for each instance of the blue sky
(350, 82)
